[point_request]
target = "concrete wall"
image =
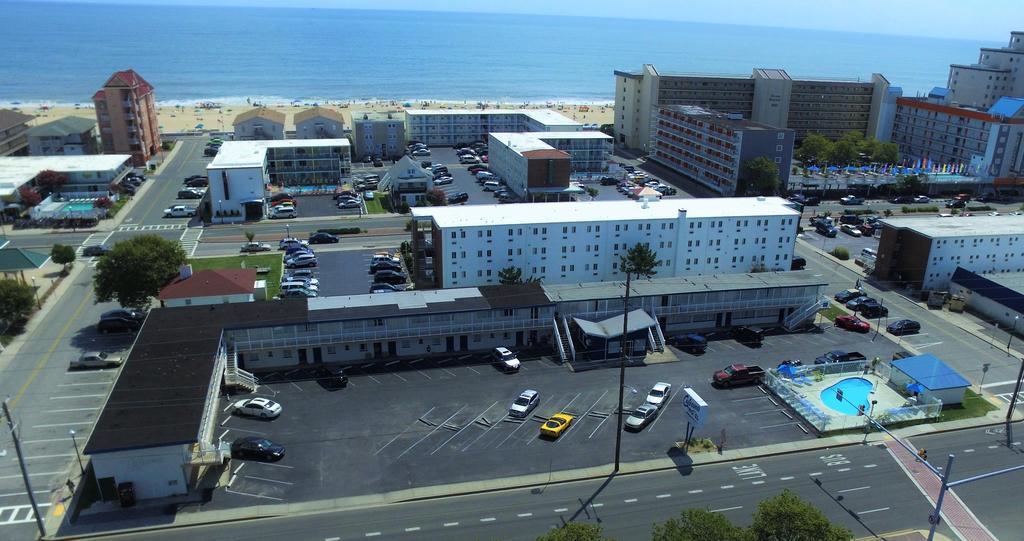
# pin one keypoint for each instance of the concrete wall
(218, 299)
(771, 101)
(902, 255)
(155, 472)
(230, 187)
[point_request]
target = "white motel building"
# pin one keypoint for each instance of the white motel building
(561, 243)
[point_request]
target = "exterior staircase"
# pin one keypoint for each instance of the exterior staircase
(657, 338)
(805, 312)
(567, 337)
(236, 377)
(559, 343)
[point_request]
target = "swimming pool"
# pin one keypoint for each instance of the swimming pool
(77, 207)
(855, 394)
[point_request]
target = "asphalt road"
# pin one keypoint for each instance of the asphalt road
(860, 487)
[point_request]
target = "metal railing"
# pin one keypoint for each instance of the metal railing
(241, 342)
(558, 341)
(722, 306)
(804, 313)
(568, 338)
(233, 375)
(660, 335)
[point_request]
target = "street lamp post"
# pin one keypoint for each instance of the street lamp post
(35, 289)
(77, 452)
(220, 209)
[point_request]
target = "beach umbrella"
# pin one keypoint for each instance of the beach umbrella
(865, 168)
(199, 126)
(814, 168)
(787, 370)
(851, 168)
(832, 169)
(915, 388)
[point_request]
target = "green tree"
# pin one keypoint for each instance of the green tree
(62, 254)
(886, 153)
(593, 192)
(698, 525)
(788, 518)
(136, 269)
(843, 152)
(575, 531)
(249, 235)
(910, 184)
(759, 175)
(16, 300)
(510, 276)
(639, 260)
(813, 149)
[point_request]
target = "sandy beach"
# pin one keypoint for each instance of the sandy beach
(177, 119)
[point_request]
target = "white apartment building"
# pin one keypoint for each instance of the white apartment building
(995, 75)
(447, 127)
(242, 170)
(89, 176)
(926, 251)
(512, 155)
(582, 241)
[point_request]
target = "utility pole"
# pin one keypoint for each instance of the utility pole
(1016, 391)
(934, 518)
(24, 472)
(622, 370)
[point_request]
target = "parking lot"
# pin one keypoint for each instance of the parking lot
(854, 244)
(343, 272)
(420, 422)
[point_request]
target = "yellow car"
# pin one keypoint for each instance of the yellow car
(557, 424)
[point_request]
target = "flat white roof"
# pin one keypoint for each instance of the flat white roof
(544, 116)
(404, 299)
(234, 154)
(17, 170)
(536, 140)
(603, 211)
(961, 226)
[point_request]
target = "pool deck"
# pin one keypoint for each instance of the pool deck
(887, 397)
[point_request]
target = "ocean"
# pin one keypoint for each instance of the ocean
(62, 53)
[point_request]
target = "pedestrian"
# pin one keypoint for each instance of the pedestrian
(71, 486)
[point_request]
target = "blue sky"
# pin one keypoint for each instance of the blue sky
(988, 20)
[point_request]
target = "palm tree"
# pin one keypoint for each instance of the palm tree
(510, 276)
(639, 260)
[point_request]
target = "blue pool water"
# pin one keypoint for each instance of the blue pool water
(855, 393)
(78, 207)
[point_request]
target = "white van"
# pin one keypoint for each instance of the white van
(869, 253)
(283, 212)
(491, 186)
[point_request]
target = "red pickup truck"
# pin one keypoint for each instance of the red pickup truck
(737, 374)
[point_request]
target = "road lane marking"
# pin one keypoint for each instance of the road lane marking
(786, 478)
(70, 410)
(815, 474)
(597, 505)
(968, 450)
(450, 524)
(49, 352)
(48, 456)
(630, 500)
(11, 494)
(869, 511)
(757, 482)
(524, 515)
(77, 396)
(470, 423)
(852, 489)
(559, 510)
(726, 509)
(413, 529)
(661, 496)
(332, 539)
(999, 383)
(871, 465)
(488, 519)
(843, 469)
(990, 446)
(37, 474)
(727, 487)
(85, 383)
(372, 534)
(267, 480)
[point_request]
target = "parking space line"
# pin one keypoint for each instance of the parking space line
(565, 407)
(411, 447)
(469, 423)
(453, 374)
(37, 474)
(110, 382)
(873, 511)
(77, 396)
(726, 509)
(267, 480)
(582, 417)
(253, 495)
(405, 430)
(664, 407)
(50, 440)
(852, 489)
(62, 424)
(48, 456)
(249, 431)
(295, 385)
(518, 428)
(70, 410)
(473, 369)
(373, 378)
(398, 376)
(779, 425)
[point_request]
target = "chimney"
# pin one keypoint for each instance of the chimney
(185, 271)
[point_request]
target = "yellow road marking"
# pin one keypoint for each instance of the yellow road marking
(49, 353)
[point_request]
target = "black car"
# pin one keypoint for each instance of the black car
(256, 448)
(956, 204)
(281, 196)
(390, 277)
(798, 263)
(806, 200)
(902, 200)
(609, 181)
(128, 188)
(108, 325)
(629, 168)
(125, 313)
(95, 250)
(331, 378)
(193, 177)
(323, 238)
(210, 152)
(748, 336)
(826, 230)
(666, 190)
(385, 266)
(903, 326)
(189, 194)
(848, 295)
(426, 164)
(872, 309)
(200, 182)
(456, 198)
(692, 342)
(377, 162)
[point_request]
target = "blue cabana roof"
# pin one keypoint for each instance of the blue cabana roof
(929, 371)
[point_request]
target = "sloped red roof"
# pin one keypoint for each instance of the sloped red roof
(210, 283)
(545, 154)
(99, 95)
(131, 79)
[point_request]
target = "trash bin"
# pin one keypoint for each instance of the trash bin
(126, 493)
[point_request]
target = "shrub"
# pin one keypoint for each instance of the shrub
(981, 208)
(408, 225)
(911, 210)
(103, 203)
(840, 253)
(28, 196)
(887, 212)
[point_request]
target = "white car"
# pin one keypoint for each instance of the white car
(288, 242)
(283, 212)
(922, 199)
(850, 230)
(262, 408)
(524, 404)
(302, 274)
(349, 204)
(368, 195)
(421, 152)
(255, 247)
(659, 394)
(96, 359)
(179, 211)
(641, 416)
(505, 359)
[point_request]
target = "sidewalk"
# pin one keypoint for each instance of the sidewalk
(957, 515)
